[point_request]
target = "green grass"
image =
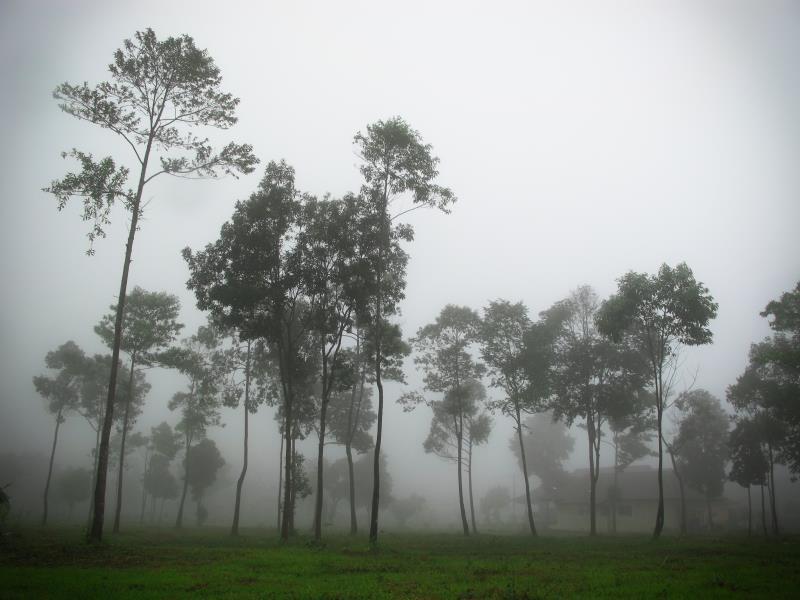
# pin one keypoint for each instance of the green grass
(166, 564)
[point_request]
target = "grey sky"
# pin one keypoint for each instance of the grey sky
(583, 139)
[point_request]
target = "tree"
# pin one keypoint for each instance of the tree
(159, 482)
(352, 418)
(162, 442)
(702, 444)
(61, 394)
(73, 486)
(591, 371)
(202, 462)
(519, 360)
(444, 354)
(749, 466)
(478, 429)
(661, 312)
(160, 92)
(405, 508)
(395, 163)
(199, 360)
(251, 279)
(549, 444)
(150, 324)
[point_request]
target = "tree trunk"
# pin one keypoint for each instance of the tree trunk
(352, 489)
(376, 477)
(763, 513)
(161, 512)
(592, 477)
(287, 429)
(96, 532)
(118, 511)
(680, 488)
(240, 482)
(280, 479)
(525, 475)
(469, 476)
(147, 457)
(94, 478)
(50, 467)
(293, 492)
(771, 489)
(615, 488)
(320, 450)
(179, 519)
(749, 513)
(464, 524)
(710, 514)
(660, 510)
(153, 501)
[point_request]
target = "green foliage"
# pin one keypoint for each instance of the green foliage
(62, 391)
(749, 465)
(159, 481)
(202, 463)
(701, 445)
(150, 324)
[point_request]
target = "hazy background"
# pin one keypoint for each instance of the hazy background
(583, 139)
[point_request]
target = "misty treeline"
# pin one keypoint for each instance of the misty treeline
(302, 295)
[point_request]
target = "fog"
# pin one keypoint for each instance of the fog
(582, 139)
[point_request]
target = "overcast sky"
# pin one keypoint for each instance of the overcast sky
(583, 140)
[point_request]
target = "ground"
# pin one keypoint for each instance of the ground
(56, 563)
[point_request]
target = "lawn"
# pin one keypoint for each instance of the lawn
(150, 563)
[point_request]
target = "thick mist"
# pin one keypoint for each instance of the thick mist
(583, 141)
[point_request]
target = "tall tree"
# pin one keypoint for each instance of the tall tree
(478, 429)
(61, 393)
(251, 279)
(159, 94)
(150, 324)
(445, 349)
(396, 163)
(519, 359)
(160, 483)
(591, 371)
(662, 312)
(199, 359)
(352, 418)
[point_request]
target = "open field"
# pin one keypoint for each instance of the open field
(166, 564)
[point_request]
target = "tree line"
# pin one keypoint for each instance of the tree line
(302, 292)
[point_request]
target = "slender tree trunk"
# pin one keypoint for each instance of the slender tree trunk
(763, 513)
(660, 510)
(118, 511)
(525, 475)
(293, 494)
(680, 488)
(352, 489)
(96, 532)
(94, 478)
(147, 457)
(616, 488)
(240, 482)
(592, 477)
(50, 467)
(179, 519)
(352, 426)
(772, 503)
(287, 481)
(749, 513)
(469, 476)
(320, 450)
(376, 477)
(280, 479)
(161, 512)
(153, 501)
(459, 462)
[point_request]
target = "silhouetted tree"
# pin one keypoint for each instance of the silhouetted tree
(163, 442)
(202, 462)
(405, 508)
(160, 92)
(494, 501)
(150, 325)
(395, 163)
(749, 466)
(61, 393)
(478, 429)
(661, 312)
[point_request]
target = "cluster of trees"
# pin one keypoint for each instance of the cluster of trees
(301, 293)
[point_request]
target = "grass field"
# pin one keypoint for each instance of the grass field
(168, 564)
